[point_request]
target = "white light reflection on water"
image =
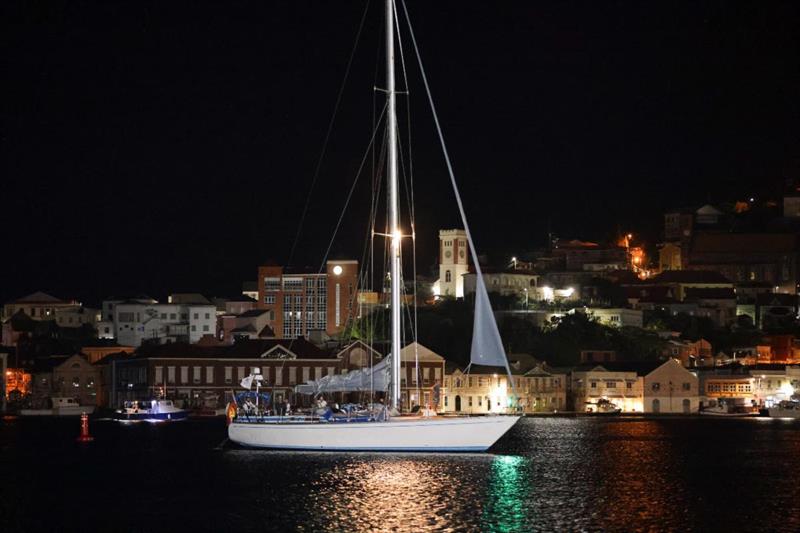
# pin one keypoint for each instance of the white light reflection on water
(414, 492)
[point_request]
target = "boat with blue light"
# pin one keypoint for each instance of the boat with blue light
(150, 411)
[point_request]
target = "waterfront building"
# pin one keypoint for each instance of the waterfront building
(303, 300)
(421, 389)
(725, 384)
(593, 382)
(66, 376)
(671, 388)
(252, 324)
(204, 375)
(453, 263)
(774, 383)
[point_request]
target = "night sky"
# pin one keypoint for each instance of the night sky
(154, 147)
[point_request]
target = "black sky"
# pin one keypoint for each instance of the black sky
(170, 146)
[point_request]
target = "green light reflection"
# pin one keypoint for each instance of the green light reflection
(504, 509)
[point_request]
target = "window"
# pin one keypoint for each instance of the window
(240, 373)
(163, 316)
(184, 316)
(292, 284)
(437, 373)
(208, 315)
(331, 370)
(687, 386)
(629, 384)
(196, 374)
(292, 375)
(170, 374)
(269, 299)
(159, 374)
(594, 384)
(205, 327)
(611, 384)
(306, 372)
(470, 400)
(194, 328)
(318, 372)
(278, 376)
(656, 386)
(196, 316)
(209, 374)
(445, 401)
(272, 284)
(76, 382)
(173, 316)
(447, 276)
(184, 374)
(228, 374)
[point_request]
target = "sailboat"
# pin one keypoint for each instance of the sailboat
(385, 431)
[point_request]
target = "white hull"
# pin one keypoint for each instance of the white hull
(777, 412)
(456, 434)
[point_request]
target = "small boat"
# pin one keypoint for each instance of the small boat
(150, 411)
(785, 409)
(603, 407)
(62, 406)
(726, 409)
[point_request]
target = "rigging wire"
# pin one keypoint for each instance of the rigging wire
(450, 170)
(328, 134)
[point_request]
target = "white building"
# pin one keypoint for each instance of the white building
(453, 263)
(771, 386)
(106, 328)
(135, 322)
(614, 316)
(591, 383)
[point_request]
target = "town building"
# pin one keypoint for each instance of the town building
(736, 388)
(66, 377)
(690, 354)
(670, 388)
(302, 301)
(136, 323)
(421, 389)
(453, 263)
(590, 383)
(508, 282)
(774, 383)
(38, 306)
(615, 317)
(203, 376)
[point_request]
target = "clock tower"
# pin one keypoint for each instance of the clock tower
(453, 262)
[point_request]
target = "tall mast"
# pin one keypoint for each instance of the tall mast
(394, 207)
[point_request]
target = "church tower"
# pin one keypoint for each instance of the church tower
(453, 262)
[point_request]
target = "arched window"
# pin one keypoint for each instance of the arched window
(447, 276)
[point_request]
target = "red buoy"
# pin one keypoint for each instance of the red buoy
(85, 437)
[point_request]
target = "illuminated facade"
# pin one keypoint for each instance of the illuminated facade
(486, 390)
(670, 388)
(773, 385)
(301, 301)
(453, 263)
(421, 391)
(591, 383)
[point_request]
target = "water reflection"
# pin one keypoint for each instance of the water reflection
(505, 503)
(410, 492)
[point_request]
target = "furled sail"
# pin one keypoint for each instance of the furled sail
(376, 378)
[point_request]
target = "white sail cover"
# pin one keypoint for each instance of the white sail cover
(376, 378)
(487, 347)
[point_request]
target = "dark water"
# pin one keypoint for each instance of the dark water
(545, 475)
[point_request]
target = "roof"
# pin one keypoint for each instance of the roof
(188, 298)
(302, 348)
(642, 368)
(711, 293)
(742, 243)
(689, 276)
(39, 297)
(253, 313)
(244, 329)
(266, 332)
